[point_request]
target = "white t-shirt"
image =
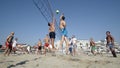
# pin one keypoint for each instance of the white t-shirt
(14, 43)
(74, 41)
(28, 48)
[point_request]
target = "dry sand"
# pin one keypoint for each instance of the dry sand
(58, 61)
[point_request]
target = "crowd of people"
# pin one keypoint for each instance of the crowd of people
(71, 43)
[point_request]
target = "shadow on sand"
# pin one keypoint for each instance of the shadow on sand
(20, 63)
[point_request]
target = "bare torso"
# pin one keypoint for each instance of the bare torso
(52, 28)
(62, 24)
(110, 39)
(46, 40)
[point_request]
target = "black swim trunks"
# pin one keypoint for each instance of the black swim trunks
(39, 47)
(52, 35)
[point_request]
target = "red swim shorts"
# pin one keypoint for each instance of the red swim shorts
(8, 45)
(46, 44)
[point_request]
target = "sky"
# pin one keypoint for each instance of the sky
(84, 18)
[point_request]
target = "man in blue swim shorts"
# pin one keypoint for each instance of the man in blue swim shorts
(64, 32)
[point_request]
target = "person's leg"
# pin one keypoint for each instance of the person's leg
(113, 52)
(52, 42)
(92, 51)
(76, 50)
(67, 45)
(49, 47)
(14, 50)
(61, 42)
(70, 49)
(45, 50)
(9, 51)
(7, 48)
(73, 51)
(6, 51)
(37, 51)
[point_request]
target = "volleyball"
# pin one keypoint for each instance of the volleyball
(57, 11)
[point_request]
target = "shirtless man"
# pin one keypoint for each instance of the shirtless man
(110, 43)
(9, 42)
(52, 33)
(64, 32)
(46, 40)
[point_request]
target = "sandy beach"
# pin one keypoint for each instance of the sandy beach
(58, 61)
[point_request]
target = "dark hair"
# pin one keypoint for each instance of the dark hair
(63, 17)
(48, 24)
(107, 31)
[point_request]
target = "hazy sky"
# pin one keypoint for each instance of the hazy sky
(84, 18)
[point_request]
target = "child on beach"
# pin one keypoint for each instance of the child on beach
(92, 44)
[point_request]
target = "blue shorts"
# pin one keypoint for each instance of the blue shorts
(70, 49)
(110, 45)
(64, 32)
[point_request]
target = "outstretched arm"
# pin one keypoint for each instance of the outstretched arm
(54, 20)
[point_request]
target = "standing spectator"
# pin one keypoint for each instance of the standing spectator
(8, 43)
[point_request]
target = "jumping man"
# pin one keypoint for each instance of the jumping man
(64, 32)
